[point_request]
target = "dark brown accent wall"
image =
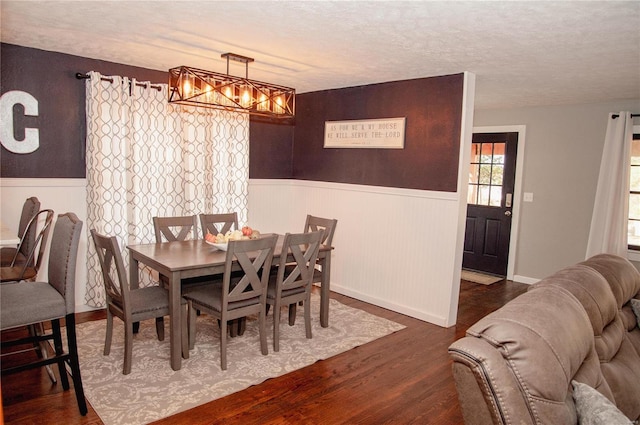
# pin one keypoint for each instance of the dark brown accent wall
(429, 160)
(50, 78)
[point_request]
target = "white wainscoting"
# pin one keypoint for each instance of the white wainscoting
(60, 195)
(395, 248)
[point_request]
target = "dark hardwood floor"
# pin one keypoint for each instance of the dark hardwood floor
(402, 378)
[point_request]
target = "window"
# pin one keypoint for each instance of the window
(633, 230)
(485, 175)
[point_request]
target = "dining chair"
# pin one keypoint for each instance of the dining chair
(179, 228)
(28, 303)
(172, 229)
(131, 305)
(7, 253)
(313, 224)
(290, 285)
(218, 223)
(328, 226)
(27, 269)
(236, 295)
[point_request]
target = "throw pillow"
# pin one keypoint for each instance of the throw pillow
(595, 409)
(635, 306)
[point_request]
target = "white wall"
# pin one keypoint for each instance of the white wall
(561, 166)
(395, 248)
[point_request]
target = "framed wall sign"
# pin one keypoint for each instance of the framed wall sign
(384, 133)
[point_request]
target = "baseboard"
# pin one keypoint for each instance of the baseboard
(524, 279)
(399, 308)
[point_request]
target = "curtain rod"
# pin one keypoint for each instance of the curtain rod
(614, 116)
(81, 76)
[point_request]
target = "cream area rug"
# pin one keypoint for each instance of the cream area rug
(154, 391)
(482, 278)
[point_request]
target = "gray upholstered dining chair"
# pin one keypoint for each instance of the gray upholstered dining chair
(131, 305)
(29, 303)
(237, 295)
(292, 284)
(26, 262)
(18, 255)
(218, 223)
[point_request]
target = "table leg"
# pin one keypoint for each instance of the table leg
(324, 290)
(134, 283)
(175, 320)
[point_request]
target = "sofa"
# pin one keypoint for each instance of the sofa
(565, 352)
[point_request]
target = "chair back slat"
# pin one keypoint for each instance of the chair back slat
(173, 229)
(114, 273)
(218, 223)
(304, 248)
(255, 271)
(35, 253)
(328, 226)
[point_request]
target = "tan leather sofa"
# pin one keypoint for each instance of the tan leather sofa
(516, 365)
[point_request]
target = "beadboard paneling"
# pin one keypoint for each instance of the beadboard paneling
(393, 247)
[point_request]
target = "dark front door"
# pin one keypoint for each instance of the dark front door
(489, 203)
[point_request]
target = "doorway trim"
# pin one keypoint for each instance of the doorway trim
(517, 189)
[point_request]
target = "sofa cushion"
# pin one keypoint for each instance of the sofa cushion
(595, 409)
(620, 362)
(624, 281)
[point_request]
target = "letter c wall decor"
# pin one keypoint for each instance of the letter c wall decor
(31, 140)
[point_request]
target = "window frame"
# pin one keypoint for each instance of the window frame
(633, 251)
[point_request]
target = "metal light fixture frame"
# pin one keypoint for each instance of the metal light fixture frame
(198, 87)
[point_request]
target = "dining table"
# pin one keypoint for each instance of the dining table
(196, 258)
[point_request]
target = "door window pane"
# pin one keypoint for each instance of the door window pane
(486, 174)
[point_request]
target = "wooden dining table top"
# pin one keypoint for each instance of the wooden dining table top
(193, 254)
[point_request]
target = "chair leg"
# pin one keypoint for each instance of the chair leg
(262, 318)
(109, 334)
(184, 332)
(276, 327)
(74, 363)
(242, 325)
(292, 314)
(160, 328)
(223, 344)
(57, 345)
(128, 348)
(307, 317)
(41, 348)
(192, 326)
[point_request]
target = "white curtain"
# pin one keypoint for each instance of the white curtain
(610, 218)
(148, 158)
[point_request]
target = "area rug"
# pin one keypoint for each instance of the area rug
(154, 391)
(482, 278)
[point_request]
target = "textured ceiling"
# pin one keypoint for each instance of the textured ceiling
(523, 53)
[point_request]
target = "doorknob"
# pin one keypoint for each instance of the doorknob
(507, 213)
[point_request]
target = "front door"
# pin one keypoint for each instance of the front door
(490, 201)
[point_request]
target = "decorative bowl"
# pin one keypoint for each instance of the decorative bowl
(220, 246)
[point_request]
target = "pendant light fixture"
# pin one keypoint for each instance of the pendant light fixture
(197, 87)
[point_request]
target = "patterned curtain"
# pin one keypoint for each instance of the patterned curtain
(148, 158)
